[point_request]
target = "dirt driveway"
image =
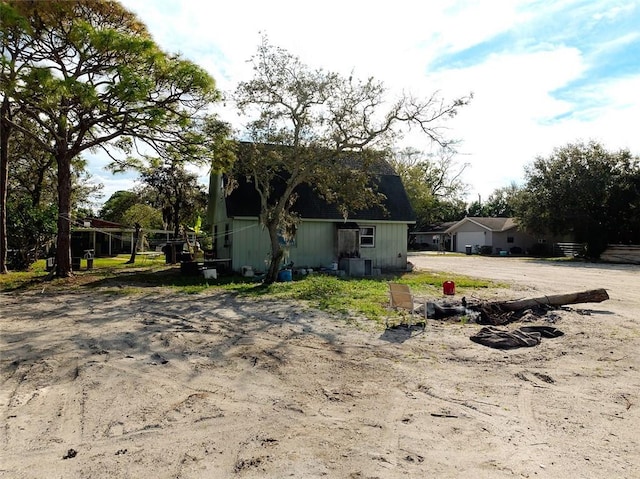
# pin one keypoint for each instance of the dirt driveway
(165, 385)
(621, 281)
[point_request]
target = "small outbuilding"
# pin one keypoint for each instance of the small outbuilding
(105, 238)
(431, 237)
(490, 236)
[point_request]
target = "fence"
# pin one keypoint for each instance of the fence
(621, 254)
(569, 249)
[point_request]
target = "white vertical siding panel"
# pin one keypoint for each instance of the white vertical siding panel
(391, 240)
(315, 245)
(249, 244)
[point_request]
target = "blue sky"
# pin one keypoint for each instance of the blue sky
(543, 73)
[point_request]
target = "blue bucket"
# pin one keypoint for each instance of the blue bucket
(284, 275)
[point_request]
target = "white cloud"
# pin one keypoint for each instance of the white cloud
(111, 184)
(515, 115)
(503, 127)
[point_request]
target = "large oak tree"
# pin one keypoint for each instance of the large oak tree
(584, 190)
(89, 74)
(501, 203)
(320, 128)
(174, 191)
(434, 185)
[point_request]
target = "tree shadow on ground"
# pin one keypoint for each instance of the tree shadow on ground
(174, 326)
(401, 333)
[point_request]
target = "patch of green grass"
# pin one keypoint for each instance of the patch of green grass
(120, 262)
(121, 291)
(367, 297)
(13, 281)
(102, 268)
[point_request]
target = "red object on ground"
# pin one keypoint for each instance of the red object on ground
(449, 288)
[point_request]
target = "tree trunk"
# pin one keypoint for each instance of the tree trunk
(276, 255)
(175, 209)
(63, 245)
(137, 236)
(36, 194)
(502, 312)
(5, 131)
(590, 296)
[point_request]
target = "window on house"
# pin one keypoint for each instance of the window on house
(227, 235)
(367, 236)
(509, 239)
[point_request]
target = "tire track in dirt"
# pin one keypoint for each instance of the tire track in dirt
(34, 387)
(268, 393)
(526, 415)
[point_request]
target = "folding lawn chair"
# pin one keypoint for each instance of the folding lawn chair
(401, 300)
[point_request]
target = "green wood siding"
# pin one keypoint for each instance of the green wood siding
(390, 249)
(314, 245)
(249, 244)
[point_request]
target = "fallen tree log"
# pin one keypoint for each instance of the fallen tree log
(502, 312)
(590, 296)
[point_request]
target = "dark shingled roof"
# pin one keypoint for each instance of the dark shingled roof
(490, 223)
(434, 229)
(494, 224)
(245, 201)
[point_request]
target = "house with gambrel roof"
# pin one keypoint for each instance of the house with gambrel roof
(370, 240)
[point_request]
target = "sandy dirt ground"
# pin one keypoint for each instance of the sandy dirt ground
(165, 385)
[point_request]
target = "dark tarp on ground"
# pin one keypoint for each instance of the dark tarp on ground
(526, 336)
